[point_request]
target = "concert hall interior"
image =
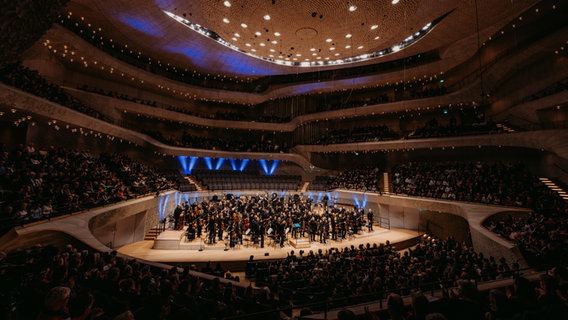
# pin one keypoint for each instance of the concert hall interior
(284, 159)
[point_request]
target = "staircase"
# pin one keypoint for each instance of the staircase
(386, 184)
(554, 187)
(304, 186)
(196, 183)
(153, 233)
(504, 128)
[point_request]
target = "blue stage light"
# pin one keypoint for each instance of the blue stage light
(219, 163)
(208, 163)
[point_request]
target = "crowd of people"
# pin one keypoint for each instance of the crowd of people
(541, 236)
(353, 274)
(39, 183)
(234, 143)
(366, 179)
(48, 283)
(510, 184)
(19, 30)
(434, 129)
(32, 82)
(269, 216)
(361, 134)
(45, 282)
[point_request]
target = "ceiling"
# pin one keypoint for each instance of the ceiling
(298, 36)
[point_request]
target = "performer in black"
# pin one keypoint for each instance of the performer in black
(177, 212)
(211, 230)
(261, 231)
(370, 219)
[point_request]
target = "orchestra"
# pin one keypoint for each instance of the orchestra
(258, 217)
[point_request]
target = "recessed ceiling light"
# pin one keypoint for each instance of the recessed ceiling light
(271, 55)
(337, 54)
(377, 38)
(234, 39)
(332, 48)
(237, 35)
(266, 17)
(247, 44)
(277, 34)
(360, 47)
(295, 59)
(352, 7)
(258, 33)
(253, 50)
(375, 26)
(349, 35)
(347, 46)
(227, 4)
(272, 50)
(328, 40)
(262, 44)
(244, 25)
(298, 54)
(395, 1)
(313, 49)
(314, 54)
(274, 41)
(226, 20)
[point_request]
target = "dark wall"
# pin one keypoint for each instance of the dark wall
(443, 225)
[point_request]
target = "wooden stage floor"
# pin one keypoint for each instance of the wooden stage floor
(187, 252)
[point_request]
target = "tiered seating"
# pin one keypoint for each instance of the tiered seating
(320, 183)
(234, 180)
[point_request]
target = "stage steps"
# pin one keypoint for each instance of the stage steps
(299, 243)
(153, 233)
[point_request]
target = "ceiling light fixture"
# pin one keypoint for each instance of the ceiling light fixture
(352, 8)
(267, 17)
(286, 62)
(227, 4)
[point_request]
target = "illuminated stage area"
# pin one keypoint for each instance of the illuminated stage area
(198, 251)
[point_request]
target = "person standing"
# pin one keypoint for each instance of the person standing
(370, 219)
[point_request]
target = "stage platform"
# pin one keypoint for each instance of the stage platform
(172, 247)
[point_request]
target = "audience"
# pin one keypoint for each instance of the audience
(359, 179)
(43, 282)
(44, 182)
(361, 134)
(541, 236)
(31, 81)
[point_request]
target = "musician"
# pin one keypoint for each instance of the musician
(199, 227)
(190, 233)
(370, 219)
(313, 229)
(220, 227)
(177, 212)
(261, 231)
(211, 230)
(334, 228)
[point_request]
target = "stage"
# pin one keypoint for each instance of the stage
(172, 247)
